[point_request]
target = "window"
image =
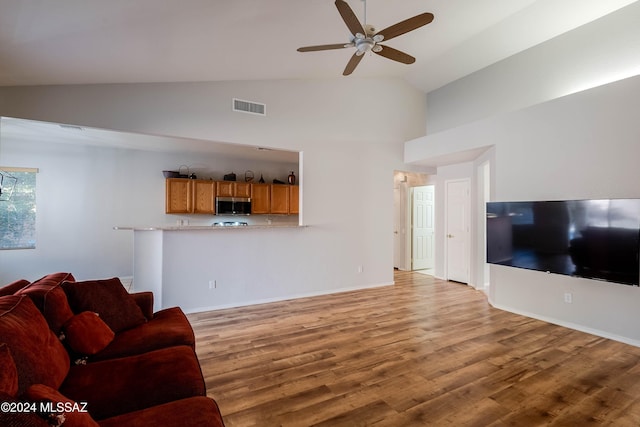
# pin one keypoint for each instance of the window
(18, 211)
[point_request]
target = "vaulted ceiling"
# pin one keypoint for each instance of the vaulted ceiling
(125, 41)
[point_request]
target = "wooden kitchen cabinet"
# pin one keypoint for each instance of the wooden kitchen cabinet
(294, 199)
(280, 199)
(178, 198)
(189, 196)
(224, 188)
(198, 196)
(242, 189)
(233, 189)
(260, 198)
(204, 196)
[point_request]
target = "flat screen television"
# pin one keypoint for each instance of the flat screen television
(596, 239)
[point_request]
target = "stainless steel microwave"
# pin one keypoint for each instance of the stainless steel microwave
(233, 206)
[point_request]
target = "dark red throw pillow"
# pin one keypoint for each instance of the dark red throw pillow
(51, 301)
(8, 372)
(116, 307)
(86, 333)
(75, 413)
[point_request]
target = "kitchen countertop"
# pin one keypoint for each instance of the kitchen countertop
(209, 227)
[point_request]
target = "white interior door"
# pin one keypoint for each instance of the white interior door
(423, 227)
(457, 230)
(398, 253)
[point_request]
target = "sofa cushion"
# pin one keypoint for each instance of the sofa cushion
(72, 411)
(169, 327)
(52, 303)
(50, 298)
(193, 412)
(109, 299)
(39, 356)
(8, 373)
(86, 333)
(12, 287)
(117, 386)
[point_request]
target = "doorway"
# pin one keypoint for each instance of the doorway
(403, 228)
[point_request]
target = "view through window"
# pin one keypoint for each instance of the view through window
(18, 212)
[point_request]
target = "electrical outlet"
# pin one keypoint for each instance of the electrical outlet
(568, 298)
(212, 284)
(359, 269)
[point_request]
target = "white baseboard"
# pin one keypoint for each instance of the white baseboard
(577, 327)
(284, 298)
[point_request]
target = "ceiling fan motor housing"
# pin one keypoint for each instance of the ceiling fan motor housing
(364, 45)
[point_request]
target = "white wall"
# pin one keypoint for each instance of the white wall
(349, 130)
(84, 191)
(577, 147)
(605, 50)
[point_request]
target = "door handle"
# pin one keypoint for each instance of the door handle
(450, 235)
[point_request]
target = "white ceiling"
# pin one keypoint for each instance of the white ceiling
(122, 41)
(130, 41)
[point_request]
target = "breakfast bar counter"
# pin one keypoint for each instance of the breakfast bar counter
(210, 227)
(204, 267)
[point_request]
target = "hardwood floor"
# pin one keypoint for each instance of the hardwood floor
(422, 352)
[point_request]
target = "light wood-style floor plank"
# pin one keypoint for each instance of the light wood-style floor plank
(421, 352)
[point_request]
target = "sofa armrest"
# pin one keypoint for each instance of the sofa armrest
(145, 302)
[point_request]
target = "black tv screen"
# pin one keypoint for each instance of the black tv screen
(596, 239)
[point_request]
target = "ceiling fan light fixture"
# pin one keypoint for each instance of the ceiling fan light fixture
(364, 45)
(376, 48)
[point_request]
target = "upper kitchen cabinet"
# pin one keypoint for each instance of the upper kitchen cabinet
(204, 197)
(233, 189)
(260, 198)
(179, 198)
(280, 199)
(187, 196)
(294, 199)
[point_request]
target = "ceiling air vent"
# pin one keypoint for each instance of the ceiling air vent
(249, 107)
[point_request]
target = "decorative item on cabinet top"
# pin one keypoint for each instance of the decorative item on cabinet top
(179, 173)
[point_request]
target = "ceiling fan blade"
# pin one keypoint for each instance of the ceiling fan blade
(349, 17)
(323, 47)
(352, 64)
(395, 54)
(405, 26)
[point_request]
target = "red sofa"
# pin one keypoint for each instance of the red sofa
(91, 354)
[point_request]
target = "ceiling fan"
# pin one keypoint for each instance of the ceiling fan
(365, 38)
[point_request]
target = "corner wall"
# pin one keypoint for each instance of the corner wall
(581, 146)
